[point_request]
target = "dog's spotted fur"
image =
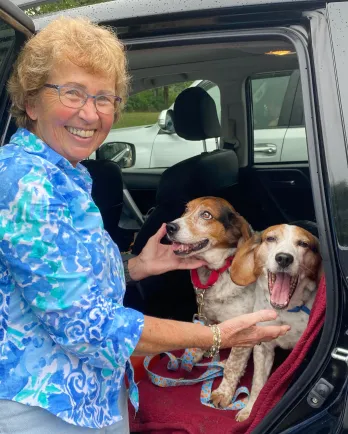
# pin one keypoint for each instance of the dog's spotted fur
(215, 220)
(253, 261)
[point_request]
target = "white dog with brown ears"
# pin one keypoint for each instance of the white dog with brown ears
(286, 264)
(212, 230)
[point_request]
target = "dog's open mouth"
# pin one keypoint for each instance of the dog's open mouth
(185, 249)
(281, 288)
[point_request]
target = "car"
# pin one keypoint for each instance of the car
(279, 133)
(291, 150)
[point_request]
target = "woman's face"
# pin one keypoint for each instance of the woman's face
(64, 128)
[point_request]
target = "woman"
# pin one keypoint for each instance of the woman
(65, 337)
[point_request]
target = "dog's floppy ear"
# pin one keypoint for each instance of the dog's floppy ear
(243, 266)
(245, 229)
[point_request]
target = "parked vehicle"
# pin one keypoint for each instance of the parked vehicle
(279, 132)
(280, 67)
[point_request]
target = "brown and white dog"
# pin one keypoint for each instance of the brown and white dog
(212, 230)
(286, 264)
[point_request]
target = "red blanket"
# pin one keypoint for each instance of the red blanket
(178, 409)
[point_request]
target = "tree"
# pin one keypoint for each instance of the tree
(59, 5)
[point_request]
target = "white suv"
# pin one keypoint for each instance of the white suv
(278, 134)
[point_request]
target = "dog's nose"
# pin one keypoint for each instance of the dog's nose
(172, 228)
(284, 259)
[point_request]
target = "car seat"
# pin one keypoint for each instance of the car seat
(209, 174)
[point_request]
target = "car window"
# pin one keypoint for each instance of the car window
(146, 124)
(277, 122)
(268, 95)
(7, 43)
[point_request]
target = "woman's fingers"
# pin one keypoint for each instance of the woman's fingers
(269, 333)
(245, 321)
(254, 335)
(160, 233)
(243, 331)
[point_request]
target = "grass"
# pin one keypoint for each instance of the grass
(134, 119)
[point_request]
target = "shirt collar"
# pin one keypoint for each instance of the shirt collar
(34, 145)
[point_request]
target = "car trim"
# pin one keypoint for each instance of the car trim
(16, 18)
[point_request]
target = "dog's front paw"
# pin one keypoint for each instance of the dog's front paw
(243, 414)
(221, 397)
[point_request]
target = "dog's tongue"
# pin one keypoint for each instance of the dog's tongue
(281, 289)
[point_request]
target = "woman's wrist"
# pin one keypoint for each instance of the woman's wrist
(137, 268)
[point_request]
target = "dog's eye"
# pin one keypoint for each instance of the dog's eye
(303, 244)
(271, 239)
(206, 215)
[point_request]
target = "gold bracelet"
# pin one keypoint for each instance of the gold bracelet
(215, 348)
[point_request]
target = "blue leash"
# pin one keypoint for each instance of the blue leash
(304, 309)
(215, 369)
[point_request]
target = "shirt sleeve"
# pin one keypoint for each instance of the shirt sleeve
(52, 266)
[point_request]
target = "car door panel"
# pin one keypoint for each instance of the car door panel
(268, 145)
(142, 184)
(287, 192)
(295, 145)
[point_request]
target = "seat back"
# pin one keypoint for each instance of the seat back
(208, 174)
(107, 192)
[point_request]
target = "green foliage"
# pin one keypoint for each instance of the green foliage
(59, 5)
(155, 100)
(135, 119)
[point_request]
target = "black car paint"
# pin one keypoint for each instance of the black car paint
(327, 168)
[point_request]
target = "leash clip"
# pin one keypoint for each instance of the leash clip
(200, 303)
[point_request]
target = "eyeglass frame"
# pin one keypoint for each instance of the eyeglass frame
(94, 97)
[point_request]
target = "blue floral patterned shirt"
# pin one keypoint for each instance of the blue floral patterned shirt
(65, 336)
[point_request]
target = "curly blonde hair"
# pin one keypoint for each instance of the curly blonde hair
(94, 48)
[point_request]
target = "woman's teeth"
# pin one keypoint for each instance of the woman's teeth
(80, 133)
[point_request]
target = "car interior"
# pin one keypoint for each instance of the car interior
(265, 194)
(135, 202)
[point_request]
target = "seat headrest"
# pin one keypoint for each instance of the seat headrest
(195, 115)
(206, 174)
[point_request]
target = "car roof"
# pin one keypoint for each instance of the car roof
(177, 5)
(10, 9)
(118, 10)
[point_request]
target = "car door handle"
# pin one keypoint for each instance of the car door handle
(290, 182)
(265, 148)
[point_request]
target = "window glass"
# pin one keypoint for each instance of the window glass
(277, 122)
(7, 37)
(144, 107)
(268, 95)
(147, 123)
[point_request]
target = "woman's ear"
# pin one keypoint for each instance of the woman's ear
(30, 108)
(243, 265)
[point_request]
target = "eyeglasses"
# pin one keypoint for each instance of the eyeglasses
(76, 98)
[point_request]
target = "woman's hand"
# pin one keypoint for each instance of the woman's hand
(161, 335)
(242, 331)
(157, 258)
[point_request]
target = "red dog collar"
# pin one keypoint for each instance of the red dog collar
(214, 275)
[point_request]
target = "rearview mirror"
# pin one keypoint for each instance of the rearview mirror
(122, 153)
(166, 121)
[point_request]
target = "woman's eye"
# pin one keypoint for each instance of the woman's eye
(73, 92)
(303, 244)
(105, 100)
(271, 239)
(206, 215)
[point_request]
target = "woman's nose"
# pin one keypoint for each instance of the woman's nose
(89, 111)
